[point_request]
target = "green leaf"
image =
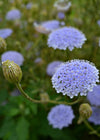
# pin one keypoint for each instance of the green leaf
(3, 95)
(22, 129)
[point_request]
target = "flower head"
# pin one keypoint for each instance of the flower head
(47, 26)
(4, 33)
(60, 116)
(66, 37)
(15, 92)
(61, 15)
(74, 77)
(2, 45)
(95, 117)
(51, 68)
(62, 5)
(94, 96)
(13, 14)
(13, 56)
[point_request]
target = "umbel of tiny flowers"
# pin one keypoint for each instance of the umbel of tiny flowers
(94, 96)
(13, 56)
(2, 45)
(75, 77)
(12, 71)
(85, 112)
(51, 68)
(13, 14)
(60, 116)
(4, 33)
(47, 26)
(95, 117)
(66, 37)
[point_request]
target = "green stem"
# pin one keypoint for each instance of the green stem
(40, 101)
(91, 128)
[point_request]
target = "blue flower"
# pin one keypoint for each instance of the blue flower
(94, 96)
(95, 117)
(15, 92)
(13, 56)
(51, 68)
(61, 15)
(13, 14)
(74, 77)
(4, 33)
(98, 22)
(60, 116)
(66, 37)
(47, 26)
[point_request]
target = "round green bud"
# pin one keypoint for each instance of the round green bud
(2, 45)
(85, 110)
(11, 71)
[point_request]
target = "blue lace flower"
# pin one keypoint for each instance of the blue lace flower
(13, 56)
(75, 77)
(66, 37)
(4, 33)
(60, 116)
(13, 14)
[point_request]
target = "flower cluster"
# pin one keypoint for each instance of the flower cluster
(94, 96)
(60, 116)
(66, 37)
(13, 14)
(95, 117)
(4, 33)
(13, 56)
(51, 68)
(74, 77)
(47, 26)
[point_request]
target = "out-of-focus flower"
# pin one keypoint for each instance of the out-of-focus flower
(29, 5)
(94, 96)
(4, 33)
(95, 117)
(47, 26)
(13, 14)
(15, 92)
(62, 5)
(38, 60)
(61, 15)
(75, 77)
(13, 56)
(60, 116)
(3, 45)
(51, 68)
(98, 22)
(66, 37)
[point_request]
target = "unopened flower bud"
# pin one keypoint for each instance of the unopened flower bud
(2, 45)
(85, 110)
(11, 71)
(44, 97)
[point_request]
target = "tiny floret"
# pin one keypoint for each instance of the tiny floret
(60, 116)
(94, 96)
(4, 33)
(66, 37)
(13, 14)
(51, 68)
(95, 117)
(13, 56)
(75, 77)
